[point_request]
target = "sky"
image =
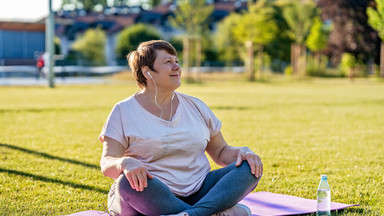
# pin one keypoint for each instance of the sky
(26, 10)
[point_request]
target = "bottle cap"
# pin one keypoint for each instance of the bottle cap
(323, 177)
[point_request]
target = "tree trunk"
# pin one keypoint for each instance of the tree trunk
(198, 59)
(303, 59)
(250, 60)
(296, 50)
(261, 62)
(186, 58)
(351, 74)
(382, 60)
(293, 60)
(317, 60)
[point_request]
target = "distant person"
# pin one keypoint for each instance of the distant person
(154, 145)
(40, 66)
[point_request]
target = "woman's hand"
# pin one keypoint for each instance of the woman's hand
(253, 160)
(136, 173)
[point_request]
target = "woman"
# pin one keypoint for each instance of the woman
(154, 145)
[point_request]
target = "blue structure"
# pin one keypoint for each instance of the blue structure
(21, 42)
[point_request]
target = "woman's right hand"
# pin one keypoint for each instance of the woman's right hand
(136, 173)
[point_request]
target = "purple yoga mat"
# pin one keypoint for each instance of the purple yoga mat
(263, 203)
(266, 203)
(90, 213)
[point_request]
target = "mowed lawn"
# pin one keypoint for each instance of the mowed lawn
(301, 129)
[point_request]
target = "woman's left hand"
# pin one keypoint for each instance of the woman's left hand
(253, 160)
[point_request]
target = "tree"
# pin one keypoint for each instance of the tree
(130, 38)
(299, 17)
(351, 32)
(258, 27)
(376, 20)
(279, 48)
(91, 46)
(191, 16)
(225, 41)
(348, 65)
(317, 40)
(87, 5)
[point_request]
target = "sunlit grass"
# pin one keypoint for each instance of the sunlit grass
(300, 128)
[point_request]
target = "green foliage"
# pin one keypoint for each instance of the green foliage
(280, 47)
(288, 70)
(87, 5)
(224, 39)
(318, 38)
(352, 66)
(299, 17)
(376, 18)
(191, 16)
(266, 61)
(91, 46)
(351, 32)
(348, 62)
(154, 3)
(57, 43)
(177, 43)
(50, 154)
(130, 38)
(256, 24)
(209, 53)
(318, 67)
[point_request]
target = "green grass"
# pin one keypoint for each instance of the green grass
(301, 129)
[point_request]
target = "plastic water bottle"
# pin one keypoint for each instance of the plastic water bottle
(323, 197)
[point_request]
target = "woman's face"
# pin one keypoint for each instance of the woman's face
(168, 70)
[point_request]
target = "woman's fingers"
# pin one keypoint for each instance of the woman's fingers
(138, 178)
(256, 165)
(253, 160)
(239, 160)
(149, 174)
(130, 180)
(252, 165)
(261, 167)
(142, 177)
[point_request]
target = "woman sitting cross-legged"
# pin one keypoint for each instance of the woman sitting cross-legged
(154, 145)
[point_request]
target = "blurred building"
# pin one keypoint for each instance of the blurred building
(21, 42)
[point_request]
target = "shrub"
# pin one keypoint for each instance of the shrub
(288, 70)
(130, 38)
(91, 46)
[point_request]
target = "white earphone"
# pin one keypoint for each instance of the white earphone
(173, 95)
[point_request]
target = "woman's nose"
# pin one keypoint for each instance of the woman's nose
(176, 66)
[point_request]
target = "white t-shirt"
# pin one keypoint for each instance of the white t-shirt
(174, 152)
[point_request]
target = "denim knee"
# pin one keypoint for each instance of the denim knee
(246, 176)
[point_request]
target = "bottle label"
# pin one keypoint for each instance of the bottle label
(323, 200)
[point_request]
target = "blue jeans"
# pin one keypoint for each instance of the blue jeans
(221, 189)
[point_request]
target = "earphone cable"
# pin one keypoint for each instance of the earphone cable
(161, 109)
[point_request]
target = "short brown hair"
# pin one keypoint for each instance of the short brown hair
(145, 55)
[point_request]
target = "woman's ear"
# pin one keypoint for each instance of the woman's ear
(144, 70)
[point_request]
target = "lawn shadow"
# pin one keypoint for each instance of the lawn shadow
(42, 154)
(51, 180)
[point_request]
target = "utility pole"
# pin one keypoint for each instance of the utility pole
(49, 44)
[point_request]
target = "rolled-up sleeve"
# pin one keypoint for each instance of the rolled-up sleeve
(213, 123)
(113, 127)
